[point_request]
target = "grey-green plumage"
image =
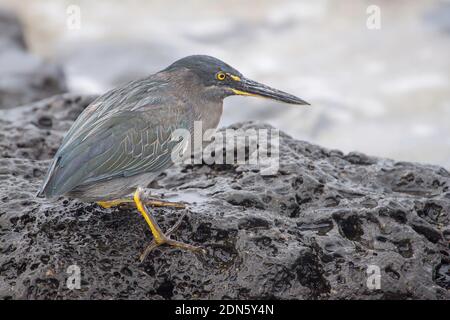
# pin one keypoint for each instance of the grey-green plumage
(123, 139)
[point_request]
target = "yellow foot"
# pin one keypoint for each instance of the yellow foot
(151, 203)
(165, 239)
(160, 203)
(112, 203)
(159, 237)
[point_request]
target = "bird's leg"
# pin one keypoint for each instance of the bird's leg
(149, 202)
(153, 244)
(159, 237)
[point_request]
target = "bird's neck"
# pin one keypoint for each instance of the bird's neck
(209, 113)
(206, 105)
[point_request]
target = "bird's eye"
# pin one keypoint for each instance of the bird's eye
(220, 76)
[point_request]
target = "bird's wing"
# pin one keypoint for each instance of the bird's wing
(120, 144)
(138, 94)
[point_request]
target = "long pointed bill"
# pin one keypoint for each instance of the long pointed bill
(247, 87)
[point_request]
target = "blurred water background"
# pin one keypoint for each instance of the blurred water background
(385, 92)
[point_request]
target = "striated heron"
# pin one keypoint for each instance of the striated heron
(122, 140)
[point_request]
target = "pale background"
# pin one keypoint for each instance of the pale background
(383, 92)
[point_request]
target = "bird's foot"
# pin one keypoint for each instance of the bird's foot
(159, 237)
(150, 202)
(165, 239)
(161, 203)
(112, 203)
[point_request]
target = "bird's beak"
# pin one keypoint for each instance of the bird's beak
(247, 87)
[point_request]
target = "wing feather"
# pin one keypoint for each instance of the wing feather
(124, 144)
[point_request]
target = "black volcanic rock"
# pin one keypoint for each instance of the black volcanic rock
(24, 77)
(308, 232)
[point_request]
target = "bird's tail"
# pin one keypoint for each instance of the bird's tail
(45, 190)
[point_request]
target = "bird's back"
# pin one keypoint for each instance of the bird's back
(123, 133)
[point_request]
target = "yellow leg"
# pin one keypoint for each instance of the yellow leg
(158, 235)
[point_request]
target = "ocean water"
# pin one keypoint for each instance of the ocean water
(382, 91)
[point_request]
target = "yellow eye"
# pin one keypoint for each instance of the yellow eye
(220, 76)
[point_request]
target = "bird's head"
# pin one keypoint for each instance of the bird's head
(222, 80)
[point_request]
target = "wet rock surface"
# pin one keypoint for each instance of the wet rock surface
(308, 232)
(24, 77)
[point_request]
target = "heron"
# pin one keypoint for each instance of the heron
(122, 141)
